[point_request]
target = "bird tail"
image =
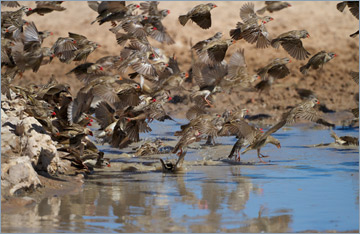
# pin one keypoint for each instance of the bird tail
(275, 43)
(304, 69)
(183, 19)
(236, 34)
(341, 6)
(235, 147)
(261, 11)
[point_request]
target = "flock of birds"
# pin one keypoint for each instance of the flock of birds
(123, 107)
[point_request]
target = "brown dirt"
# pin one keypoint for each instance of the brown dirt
(329, 30)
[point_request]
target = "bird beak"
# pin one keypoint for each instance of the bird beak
(308, 35)
(318, 102)
(278, 146)
(53, 113)
(290, 61)
(186, 75)
(101, 68)
(137, 6)
(153, 100)
(215, 5)
(258, 77)
(168, 11)
(51, 33)
(169, 98)
(109, 165)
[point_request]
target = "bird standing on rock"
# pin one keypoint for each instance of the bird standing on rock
(318, 60)
(200, 14)
(291, 42)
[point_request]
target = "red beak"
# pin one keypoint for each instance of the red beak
(169, 98)
(278, 146)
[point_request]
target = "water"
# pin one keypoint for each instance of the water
(301, 188)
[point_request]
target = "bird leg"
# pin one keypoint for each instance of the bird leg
(264, 156)
(238, 156)
(208, 102)
(258, 152)
(180, 153)
(113, 24)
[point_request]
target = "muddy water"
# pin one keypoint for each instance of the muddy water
(301, 188)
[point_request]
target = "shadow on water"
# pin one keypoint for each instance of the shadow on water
(300, 188)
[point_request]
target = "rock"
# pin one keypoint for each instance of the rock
(18, 174)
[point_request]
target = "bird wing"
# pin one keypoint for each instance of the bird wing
(203, 19)
(237, 65)
(279, 71)
(247, 11)
(354, 8)
(50, 5)
(295, 49)
(94, 5)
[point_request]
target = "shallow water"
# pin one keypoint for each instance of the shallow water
(300, 189)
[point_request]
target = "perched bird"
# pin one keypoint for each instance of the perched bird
(318, 60)
(344, 140)
(291, 42)
(272, 6)
(45, 7)
(200, 14)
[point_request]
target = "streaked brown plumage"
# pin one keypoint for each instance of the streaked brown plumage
(272, 6)
(45, 7)
(317, 61)
(291, 42)
(200, 14)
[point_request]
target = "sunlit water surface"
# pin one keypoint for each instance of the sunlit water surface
(300, 189)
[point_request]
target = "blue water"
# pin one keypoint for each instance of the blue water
(300, 189)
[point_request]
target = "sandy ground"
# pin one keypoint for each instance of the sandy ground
(329, 30)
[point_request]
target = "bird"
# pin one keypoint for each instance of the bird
(170, 167)
(10, 3)
(252, 29)
(276, 68)
(353, 7)
(318, 60)
(272, 6)
(215, 51)
(344, 140)
(208, 79)
(291, 42)
(238, 72)
(190, 136)
(200, 14)
(45, 7)
(304, 110)
(201, 44)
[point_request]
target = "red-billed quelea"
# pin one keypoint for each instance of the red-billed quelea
(291, 42)
(200, 14)
(272, 6)
(252, 29)
(317, 61)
